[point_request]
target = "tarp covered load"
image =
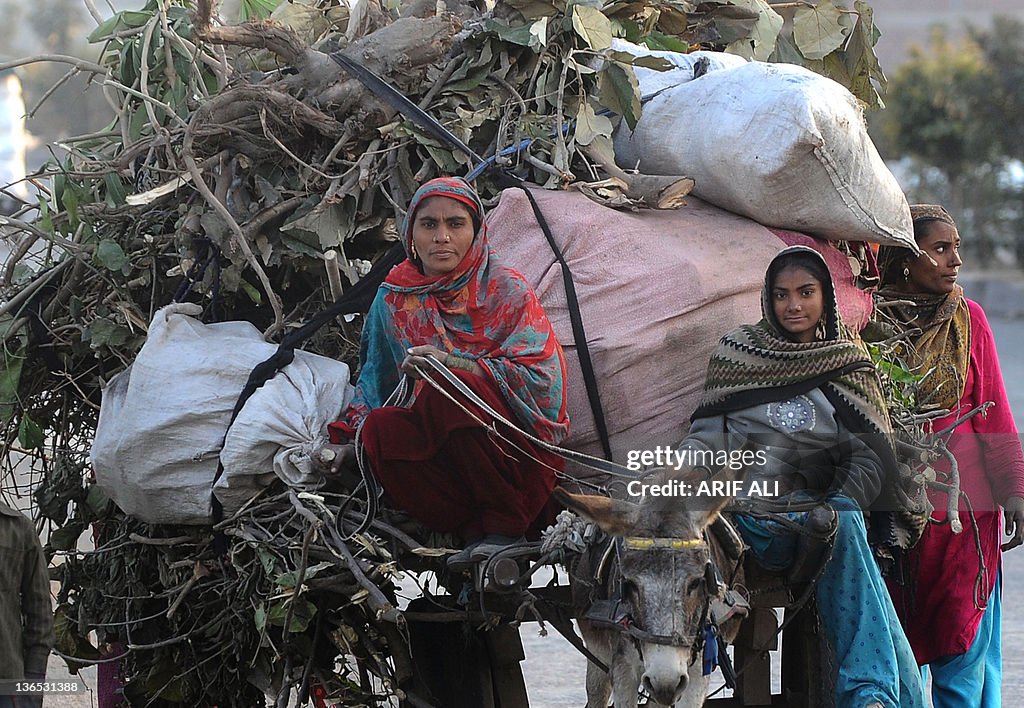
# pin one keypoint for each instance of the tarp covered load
(657, 289)
(776, 142)
(162, 423)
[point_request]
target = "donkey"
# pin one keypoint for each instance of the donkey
(670, 569)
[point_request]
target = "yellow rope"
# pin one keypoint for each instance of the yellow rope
(638, 543)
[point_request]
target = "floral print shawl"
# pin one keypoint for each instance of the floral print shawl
(481, 310)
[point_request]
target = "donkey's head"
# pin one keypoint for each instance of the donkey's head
(667, 577)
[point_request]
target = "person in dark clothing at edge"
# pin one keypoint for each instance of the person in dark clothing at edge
(26, 612)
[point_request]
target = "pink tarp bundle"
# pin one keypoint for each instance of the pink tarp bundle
(656, 291)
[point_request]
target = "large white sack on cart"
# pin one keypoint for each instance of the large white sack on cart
(684, 65)
(657, 289)
(162, 422)
(778, 143)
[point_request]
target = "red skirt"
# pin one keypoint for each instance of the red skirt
(439, 465)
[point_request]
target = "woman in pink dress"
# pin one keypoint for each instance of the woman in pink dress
(950, 600)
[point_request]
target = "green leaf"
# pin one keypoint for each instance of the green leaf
(589, 125)
(591, 24)
(45, 221)
(817, 30)
(331, 223)
(260, 617)
(10, 377)
(734, 23)
(249, 289)
(762, 38)
(861, 61)
(786, 52)
(110, 255)
(97, 500)
(521, 35)
(896, 372)
(257, 9)
(70, 203)
(534, 9)
(127, 19)
(104, 332)
(303, 612)
(290, 579)
(115, 190)
(138, 123)
(66, 537)
(30, 435)
(647, 62)
(539, 31)
(267, 560)
(664, 42)
(619, 91)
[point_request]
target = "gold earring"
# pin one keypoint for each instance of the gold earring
(412, 250)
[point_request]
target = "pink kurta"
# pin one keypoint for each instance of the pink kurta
(942, 609)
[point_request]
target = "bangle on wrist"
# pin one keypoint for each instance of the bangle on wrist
(458, 362)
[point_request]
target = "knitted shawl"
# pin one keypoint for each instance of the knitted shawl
(757, 364)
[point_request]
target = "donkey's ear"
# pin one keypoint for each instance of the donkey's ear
(728, 474)
(718, 503)
(614, 516)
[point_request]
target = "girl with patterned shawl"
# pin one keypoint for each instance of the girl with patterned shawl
(950, 604)
(454, 299)
(797, 388)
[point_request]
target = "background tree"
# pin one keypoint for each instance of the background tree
(52, 27)
(948, 117)
(1003, 49)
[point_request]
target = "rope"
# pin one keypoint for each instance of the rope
(595, 463)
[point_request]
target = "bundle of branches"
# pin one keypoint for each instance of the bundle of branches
(289, 604)
(244, 168)
(914, 416)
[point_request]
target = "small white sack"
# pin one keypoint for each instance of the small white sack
(777, 143)
(162, 421)
(651, 80)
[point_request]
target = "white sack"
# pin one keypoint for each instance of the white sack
(777, 143)
(162, 421)
(651, 80)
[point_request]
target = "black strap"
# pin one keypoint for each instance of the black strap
(553, 616)
(356, 299)
(578, 332)
(410, 110)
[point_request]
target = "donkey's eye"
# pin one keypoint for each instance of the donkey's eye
(694, 585)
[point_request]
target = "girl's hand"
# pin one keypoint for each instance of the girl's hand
(1013, 509)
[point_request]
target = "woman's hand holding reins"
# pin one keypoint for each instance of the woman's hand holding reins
(332, 459)
(417, 359)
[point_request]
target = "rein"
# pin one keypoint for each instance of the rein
(595, 463)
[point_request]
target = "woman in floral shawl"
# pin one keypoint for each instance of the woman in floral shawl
(950, 605)
(453, 299)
